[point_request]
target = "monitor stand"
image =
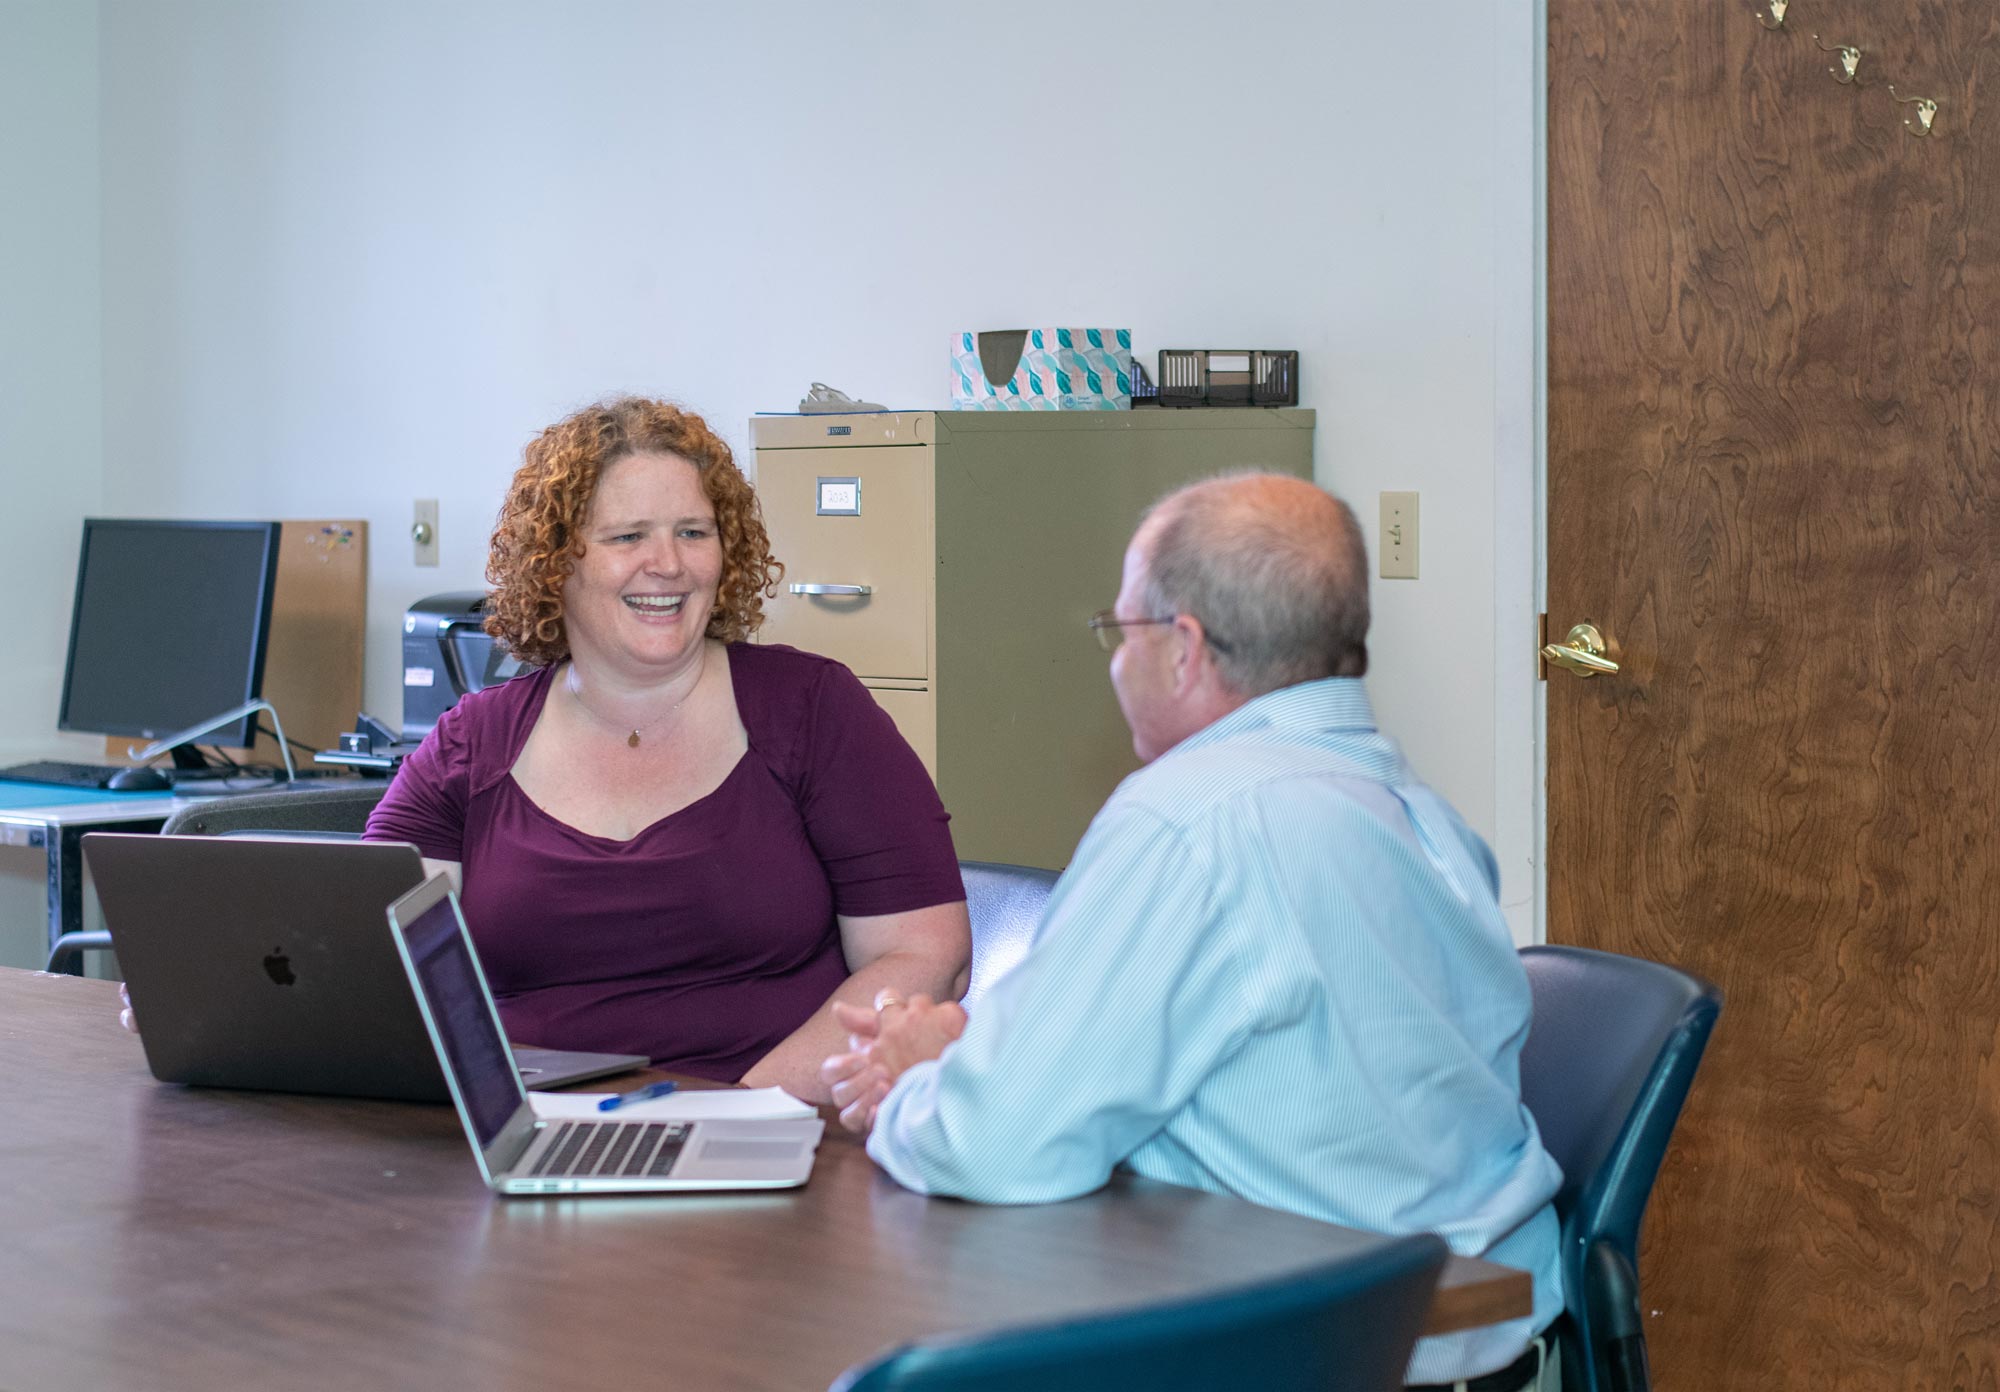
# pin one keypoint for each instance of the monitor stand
(174, 742)
(191, 767)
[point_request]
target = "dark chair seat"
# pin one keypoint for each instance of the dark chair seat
(1346, 1326)
(1606, 1067)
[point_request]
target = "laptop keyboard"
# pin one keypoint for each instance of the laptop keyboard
(611, 1148)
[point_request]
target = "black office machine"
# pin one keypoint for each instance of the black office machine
(371, 747)
(447, 654)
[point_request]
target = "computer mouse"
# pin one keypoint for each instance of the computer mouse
(143, 779)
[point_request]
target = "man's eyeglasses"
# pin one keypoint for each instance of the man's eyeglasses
(1110, 630)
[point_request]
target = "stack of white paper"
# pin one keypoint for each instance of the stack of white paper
(709, 1104)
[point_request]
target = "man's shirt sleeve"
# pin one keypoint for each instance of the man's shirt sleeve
(1135, 989)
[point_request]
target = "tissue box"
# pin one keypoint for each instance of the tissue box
(1042, 370)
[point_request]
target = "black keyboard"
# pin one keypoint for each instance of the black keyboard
(61, 775)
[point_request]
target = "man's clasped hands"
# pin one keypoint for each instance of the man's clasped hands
(881, 1044)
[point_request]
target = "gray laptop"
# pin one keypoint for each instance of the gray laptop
(519, 1152)
(260, 962)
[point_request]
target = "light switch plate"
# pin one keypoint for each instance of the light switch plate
(424, 532)
(1397, 538)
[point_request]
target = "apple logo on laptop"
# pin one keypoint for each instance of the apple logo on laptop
(279, 967)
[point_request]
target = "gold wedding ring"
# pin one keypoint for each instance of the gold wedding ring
(886, 998)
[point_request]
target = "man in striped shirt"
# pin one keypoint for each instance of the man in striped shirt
(1276, 967)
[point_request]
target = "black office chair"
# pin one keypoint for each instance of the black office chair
(336, 810)
(1005, 903)
(1607, 1064)
(1347, 1326)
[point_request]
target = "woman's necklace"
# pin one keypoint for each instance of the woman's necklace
(632, 739)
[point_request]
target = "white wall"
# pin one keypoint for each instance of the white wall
(356, 252)
(51, 451)
(51, 448)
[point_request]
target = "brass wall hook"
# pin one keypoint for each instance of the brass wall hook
(1926, 112)
(1850, 59)
(1777, 15)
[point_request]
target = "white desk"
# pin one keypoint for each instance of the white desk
(54, 820)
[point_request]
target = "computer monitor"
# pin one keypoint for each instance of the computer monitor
(169, 627)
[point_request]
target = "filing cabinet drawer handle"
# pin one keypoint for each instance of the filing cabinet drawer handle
(816, 588)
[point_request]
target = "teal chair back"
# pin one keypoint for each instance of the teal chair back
(1347, 1326)
(1607, 1065)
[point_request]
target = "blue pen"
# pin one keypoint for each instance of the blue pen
(644, 1094)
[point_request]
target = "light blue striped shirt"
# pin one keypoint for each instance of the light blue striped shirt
(1276, 968)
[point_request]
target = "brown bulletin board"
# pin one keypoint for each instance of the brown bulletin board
(312, 666)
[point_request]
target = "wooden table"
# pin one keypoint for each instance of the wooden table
(159, 1237)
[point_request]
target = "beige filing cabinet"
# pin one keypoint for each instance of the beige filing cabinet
(952, 559)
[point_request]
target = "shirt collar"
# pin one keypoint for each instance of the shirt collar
(1332, 703)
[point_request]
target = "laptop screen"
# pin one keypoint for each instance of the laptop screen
(476, 1051)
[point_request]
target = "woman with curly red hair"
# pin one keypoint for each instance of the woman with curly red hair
(671, 841)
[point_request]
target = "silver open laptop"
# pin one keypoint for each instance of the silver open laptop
(519, 1152)
(260, 962)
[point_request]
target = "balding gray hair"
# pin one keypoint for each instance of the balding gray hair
(1276, 570)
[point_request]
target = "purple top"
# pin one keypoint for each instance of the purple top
(710, 936)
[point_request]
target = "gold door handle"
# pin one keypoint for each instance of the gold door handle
(1584, 652)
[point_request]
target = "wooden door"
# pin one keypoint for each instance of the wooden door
(1774, 442)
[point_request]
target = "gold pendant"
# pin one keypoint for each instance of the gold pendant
(632, 740)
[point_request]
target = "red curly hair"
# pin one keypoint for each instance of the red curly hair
(539, 536)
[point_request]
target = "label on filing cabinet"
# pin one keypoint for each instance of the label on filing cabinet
(839, 497)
